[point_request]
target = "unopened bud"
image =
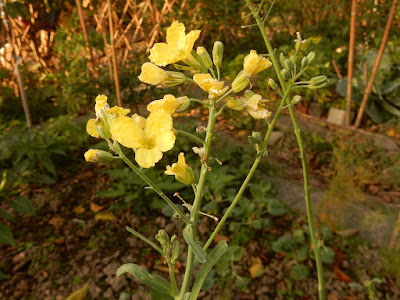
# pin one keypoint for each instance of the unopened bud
(285, 74)
(320, 86)
(98, 156)
(183, 68)
(272, 84)
(184, 102)
(318, 80)
(218, 53)
(296, 99)
(311, 56)
(175, 251)
(174, 78)
(205, 57)
(298, 41)
(236, 104)
(163, 238)
(240, 83)
(248, 94)
(293, 59)
(282, 60)
(289, 65)
(191, 61)
(304, 62)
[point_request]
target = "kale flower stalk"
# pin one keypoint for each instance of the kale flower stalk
(150, 137)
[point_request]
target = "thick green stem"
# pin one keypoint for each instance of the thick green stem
(152, 185)
(320, 271)
(171, 268)
(199, 195)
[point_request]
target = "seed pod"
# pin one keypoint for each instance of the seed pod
(285, 74)
(304, 62)
(282, 60)
(240, 83)
(311, 56)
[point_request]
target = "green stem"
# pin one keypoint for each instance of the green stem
(249, 175)
(218, 73)
(213, 74)
(171, 268)
(192, 136)
(145, 239)
(199, 195)
(224, 96)
(320, 271)
(199, 101)
(152, 184)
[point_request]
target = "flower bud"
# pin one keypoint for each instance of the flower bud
(192, 62)
(319, 86)
(174, 78)
(296, 99)
(175, 251)
(240, 83)
(272, 84)
(298, 41)
(236, 104)
(248, 94)
(184, 101)
(183, 68)
(218, 53)
(293, 59)
(304, 62)
(288, 65)
(311, 56)
(285, 74)
(205, 57)
(201, 129)
(318, 80)
(163, 238)
(282, 60)
(98, 156)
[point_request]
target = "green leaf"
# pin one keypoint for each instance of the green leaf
(6, 236)
(298, 236)
(327, 255)
(283, 244)
(5, 215)
(301, 255)
(3, 275)
(211, 260)
(154, 295)
(299, 272)
(276, 207)
(155, 282)
(23, 205)
(198, 251)
(356, 285)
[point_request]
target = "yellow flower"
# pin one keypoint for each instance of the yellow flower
(178, 46)
(152, 74)
(254, 64)
(208, 84)
(254, 107)
(168, 103)
(91, 128)
(98, 156)
(183, 173)
(149, 142)
(117, 111)
(101, 104)
(140, 120)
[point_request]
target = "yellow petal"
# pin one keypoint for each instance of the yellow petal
(254, 64)
(169, 104)
(101, 103)
(157, 122)
(261, 113)
(176, 35)
(117, 111)
(147, 158)
(91, 128)
(126, 131)
(182, 172)
(191, 37)
(152, 74)
(255, 109)
(210, 85)
(165, 141)
(140, 120)
(163, 54)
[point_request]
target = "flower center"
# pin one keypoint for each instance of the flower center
(148, 143)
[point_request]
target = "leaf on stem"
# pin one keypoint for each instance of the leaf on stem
(198, 251)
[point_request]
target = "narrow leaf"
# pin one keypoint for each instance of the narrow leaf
(198, 251)
(211, 260)
(155, 282)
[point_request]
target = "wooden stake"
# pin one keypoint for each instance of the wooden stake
(351, 59)
(116, 79)
(82, 21)
(368, 89)
(22, 93)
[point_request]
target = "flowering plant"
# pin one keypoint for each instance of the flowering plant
(150, 137)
